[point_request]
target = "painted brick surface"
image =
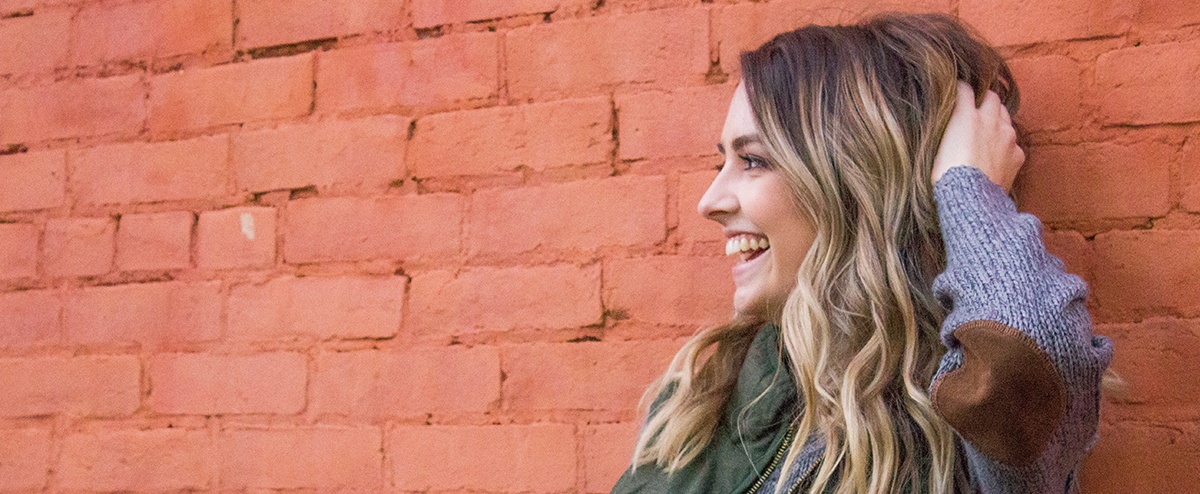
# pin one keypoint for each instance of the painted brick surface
(444, 245)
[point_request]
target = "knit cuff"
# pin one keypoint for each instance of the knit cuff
(980, 224)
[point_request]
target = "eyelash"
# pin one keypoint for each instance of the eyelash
(751, 162)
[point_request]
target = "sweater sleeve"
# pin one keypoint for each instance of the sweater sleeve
(1020, 381)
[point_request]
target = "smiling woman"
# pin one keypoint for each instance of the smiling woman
(899, 326)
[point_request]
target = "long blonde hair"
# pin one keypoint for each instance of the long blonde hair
(854, 116)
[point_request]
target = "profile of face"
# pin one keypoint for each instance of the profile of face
(750, 197)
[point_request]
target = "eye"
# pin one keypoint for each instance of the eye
(753, 162)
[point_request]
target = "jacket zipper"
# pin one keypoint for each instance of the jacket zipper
(787, 441)
(804, 477)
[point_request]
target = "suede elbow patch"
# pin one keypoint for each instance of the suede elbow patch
(1006, 399)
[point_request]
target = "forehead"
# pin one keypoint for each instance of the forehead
(739, 120)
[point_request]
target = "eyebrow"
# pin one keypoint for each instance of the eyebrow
(741, 142)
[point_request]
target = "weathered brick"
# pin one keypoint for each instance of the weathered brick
(147, 313)
(560, 296)
(665, 47)
(78, 246)
(233, 238)
(31, 181)
(206, 384)
(607, 452)
(94, 386)
(365, 152)
(36, 43)
(159, 28)
(155, 241)
(494, 458)
(577, 215)
(1156, 357)
(266, 89)
(430, 72)
(506, 138)
(1166, 14)
(677, 123)
(1094, 181)
(29, 318)
(18, 250)
(377, 385)
(323, 308)
(394, 227)
(671, 289)
(1149, 84)
(280, 22)
(135, 460)
(1051, 91)
(148, 172)
(17, 6)
(1148, 270)
(1143, 457)
(1189, 175)
(582, 377)
(743, 27)
(321, 458)
(24, 459)
(76, 108)
(1073, 19)
(430, 13)
(692, 226)
(1073, 250)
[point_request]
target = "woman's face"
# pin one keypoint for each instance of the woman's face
(764, 230)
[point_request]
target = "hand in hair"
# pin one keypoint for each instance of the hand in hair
(982, 137)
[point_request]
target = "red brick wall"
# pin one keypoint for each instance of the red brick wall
(443, 245)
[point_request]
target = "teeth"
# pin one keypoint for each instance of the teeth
(746, 244)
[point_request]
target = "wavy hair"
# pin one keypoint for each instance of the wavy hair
(853, 115)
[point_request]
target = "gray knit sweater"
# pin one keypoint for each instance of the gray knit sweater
(1020, 382)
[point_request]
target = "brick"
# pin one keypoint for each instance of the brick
(507, 138)
(265, 89)
(1166, 14)
(129, 460)
(150, 172)
(671, 289)
(78, 246)
(155, 241)
(204, 384)
(430, 13)
(665, 47)
(281, 22)
(430, 72)
(376, 385)
(36, 43)
(1051, 92)
(322, 458)
(356, 153)
(607, 452)
(1143, 457)
(1156, 357)
(577, 215)
(233, 238)
(561, 296)
(395, 227)
(94, 386)
(18, 250)
(744, 27)
(29, 318)
(1094, 181)
(76, 108)
(1149, 84)
(24, 459)
(1073, 19)
(17, 6)
(582, 377)
(323, 308)
(496, 458)
(146, 313)
(1189, 175)
(1148, 270)
(692, 226)
(159, 28)
(30, 181)
(677, 123)
(1073, 250)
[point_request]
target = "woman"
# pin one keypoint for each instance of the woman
(899, 327)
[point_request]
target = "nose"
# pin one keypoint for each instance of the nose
(719, 200)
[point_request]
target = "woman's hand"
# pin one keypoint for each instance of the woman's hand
(981, 137)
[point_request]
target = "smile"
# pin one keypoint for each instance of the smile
(747, 246)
